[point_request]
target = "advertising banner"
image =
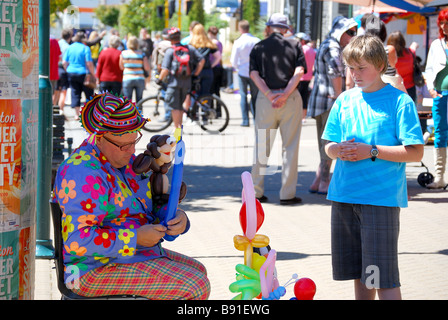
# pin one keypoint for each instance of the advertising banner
(11, 22)
(19, 107)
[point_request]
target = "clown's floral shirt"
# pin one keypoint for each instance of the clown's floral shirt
(102, 209)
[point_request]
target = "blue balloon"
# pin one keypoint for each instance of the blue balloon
(276, 294)
(176, 183)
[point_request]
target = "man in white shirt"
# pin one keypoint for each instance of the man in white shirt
(240, 61)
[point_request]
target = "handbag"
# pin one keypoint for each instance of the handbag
(419, 80)
(90, 81)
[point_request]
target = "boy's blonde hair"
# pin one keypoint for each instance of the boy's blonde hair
(368, 48)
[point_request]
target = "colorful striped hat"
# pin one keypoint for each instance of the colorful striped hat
(106, 112)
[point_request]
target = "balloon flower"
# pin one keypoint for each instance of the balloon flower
(248, 283)
(251, 219)
(256, 278)
(176, 182)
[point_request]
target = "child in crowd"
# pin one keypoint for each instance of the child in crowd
(373, 131)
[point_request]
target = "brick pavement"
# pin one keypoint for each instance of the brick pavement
(300, 234)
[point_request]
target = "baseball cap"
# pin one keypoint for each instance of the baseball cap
(278, 20)
(303, 36)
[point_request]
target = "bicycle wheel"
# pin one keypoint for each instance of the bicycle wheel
(153, 108)
(212, 113)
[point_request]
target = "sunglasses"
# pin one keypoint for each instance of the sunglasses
(127, 146)
(351, 33)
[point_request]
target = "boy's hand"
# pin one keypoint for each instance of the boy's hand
(353, 151)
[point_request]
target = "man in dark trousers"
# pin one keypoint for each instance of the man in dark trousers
(276, 67)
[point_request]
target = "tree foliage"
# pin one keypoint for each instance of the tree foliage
(156, 23)
(251, 11)
(139, 14)
(59, 5)
(108, 15)
(197, 12)
(134, 16)
(213, 19)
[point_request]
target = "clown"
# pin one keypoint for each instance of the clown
(111, 231)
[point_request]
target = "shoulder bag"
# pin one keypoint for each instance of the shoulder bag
(419, 81)
(90, 81)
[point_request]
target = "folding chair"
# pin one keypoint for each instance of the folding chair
(66, 293)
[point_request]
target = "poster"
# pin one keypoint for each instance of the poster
(16, 264)
(9, 262)
(10, 49)
(29, 144)
(19, 110)
(10, 163)
(26, 249)
(30, 49)
(416, 24)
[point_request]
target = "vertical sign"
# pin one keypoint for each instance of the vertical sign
(19, 107)
(310, 12)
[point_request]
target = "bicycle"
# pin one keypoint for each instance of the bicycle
(209, 111)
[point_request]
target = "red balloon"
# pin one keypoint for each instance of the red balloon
(304, 289)
(260, 215)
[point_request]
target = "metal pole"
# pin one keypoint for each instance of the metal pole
(167, 14)
(179, 15)
(44, 245)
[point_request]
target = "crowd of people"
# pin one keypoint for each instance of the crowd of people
(358, 86)
(124, 66)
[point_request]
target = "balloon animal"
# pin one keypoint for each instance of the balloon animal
(158, 158)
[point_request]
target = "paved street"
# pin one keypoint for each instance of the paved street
(300, 234)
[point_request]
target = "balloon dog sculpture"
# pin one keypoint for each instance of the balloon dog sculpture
(158, 158)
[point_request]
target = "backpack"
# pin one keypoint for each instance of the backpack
(205, 53)
(181, 61)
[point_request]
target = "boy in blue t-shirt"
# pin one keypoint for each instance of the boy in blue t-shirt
(373, 131)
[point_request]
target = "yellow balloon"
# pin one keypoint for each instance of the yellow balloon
(257, 261)
(242, 243)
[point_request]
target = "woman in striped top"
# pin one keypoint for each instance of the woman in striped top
(133, 62)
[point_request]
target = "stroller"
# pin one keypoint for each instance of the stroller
(426, 178)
